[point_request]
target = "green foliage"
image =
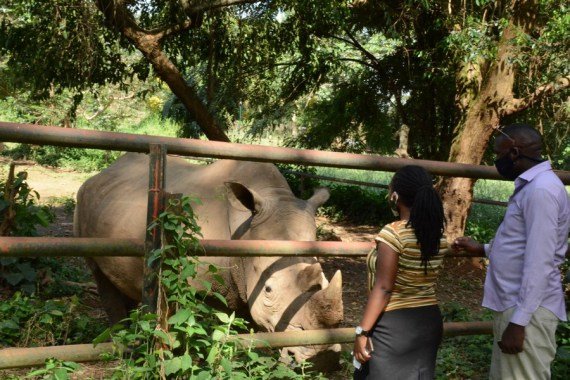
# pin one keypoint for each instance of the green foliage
(561, 365)
(194, 340)
(19, 207)
(483, 221)
(86, 160)
(60, 44)
(465, 357)
(357, 205)
(29, 321)
(20, 214)
(66, 202)
(56, 370)
(18, 273)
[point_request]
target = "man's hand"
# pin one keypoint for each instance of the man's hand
(512, 339)
(467, 244)
(360, 350)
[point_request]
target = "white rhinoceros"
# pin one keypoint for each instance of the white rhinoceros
(240, 200)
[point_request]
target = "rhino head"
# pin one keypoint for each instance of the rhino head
(285, 293)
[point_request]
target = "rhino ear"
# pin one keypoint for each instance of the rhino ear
(320, 196)
(310, 277)
(240, 196)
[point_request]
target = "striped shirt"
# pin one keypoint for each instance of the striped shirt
(413, 286)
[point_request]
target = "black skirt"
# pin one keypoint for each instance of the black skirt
(405, 345)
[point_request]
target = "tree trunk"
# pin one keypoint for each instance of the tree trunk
(483, 111)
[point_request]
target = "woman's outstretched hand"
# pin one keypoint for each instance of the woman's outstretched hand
(361, 349)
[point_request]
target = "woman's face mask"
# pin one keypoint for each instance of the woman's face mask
(393, 201)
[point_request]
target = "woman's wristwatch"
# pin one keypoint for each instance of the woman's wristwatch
(359, 331)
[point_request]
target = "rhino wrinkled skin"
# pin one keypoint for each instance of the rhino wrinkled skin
(240, 200)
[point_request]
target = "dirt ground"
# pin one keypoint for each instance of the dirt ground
(459, 282)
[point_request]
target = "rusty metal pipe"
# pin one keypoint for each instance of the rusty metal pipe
(27, 357)
(96, 247)
(69, 247)
(378, 185)
(35, 134)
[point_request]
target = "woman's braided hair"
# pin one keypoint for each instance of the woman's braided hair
(415, 189)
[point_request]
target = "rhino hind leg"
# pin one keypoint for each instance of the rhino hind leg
(116, 304)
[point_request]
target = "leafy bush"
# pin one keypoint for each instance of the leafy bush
(358, 205)
(29, 321)
(19, 209)
(20, 214)
(349, 203)
(191, 339)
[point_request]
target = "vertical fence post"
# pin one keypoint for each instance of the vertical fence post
(157, 173)
(164, 307)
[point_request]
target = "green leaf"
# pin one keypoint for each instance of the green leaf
(61, 374)
(220, 298)
(223, 317)
(103, 337)
(181, 316)
(217, 335)
(204, 375)
(172, 366)
(212, 354)
(13, 278)
(163, 336)
(226, 365)
(185, 362)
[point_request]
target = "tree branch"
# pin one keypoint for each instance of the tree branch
(360, 61)
(519, 105)
(354, 43)
(214, 4)
(171, 30)
(361, 48)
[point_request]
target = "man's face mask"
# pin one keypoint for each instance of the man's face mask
(506, 167)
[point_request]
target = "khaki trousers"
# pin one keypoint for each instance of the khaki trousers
(539, 347)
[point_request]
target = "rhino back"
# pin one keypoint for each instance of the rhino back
(114, 202)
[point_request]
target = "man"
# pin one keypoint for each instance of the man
(523, 284)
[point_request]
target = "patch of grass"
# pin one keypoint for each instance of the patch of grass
(66, 202)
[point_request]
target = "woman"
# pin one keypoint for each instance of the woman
(401, 328)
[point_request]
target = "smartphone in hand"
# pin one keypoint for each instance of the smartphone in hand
(356, 363)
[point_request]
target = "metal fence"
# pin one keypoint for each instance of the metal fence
(34, 247)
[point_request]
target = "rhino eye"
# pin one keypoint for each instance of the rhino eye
(268, 289)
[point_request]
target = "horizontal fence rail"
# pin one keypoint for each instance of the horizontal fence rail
(27, 357)
(377, 185)
(36, 134)
(96, 247)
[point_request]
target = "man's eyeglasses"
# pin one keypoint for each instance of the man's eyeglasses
(499, 129)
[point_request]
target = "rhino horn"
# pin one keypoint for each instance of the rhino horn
(328, 302)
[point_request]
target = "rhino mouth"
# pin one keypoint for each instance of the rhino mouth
(323, 357)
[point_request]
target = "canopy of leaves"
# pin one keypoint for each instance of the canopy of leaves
(340, 74)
